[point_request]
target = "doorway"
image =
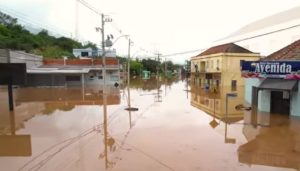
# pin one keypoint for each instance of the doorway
(280, 102)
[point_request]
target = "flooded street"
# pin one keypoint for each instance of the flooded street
(67, 129)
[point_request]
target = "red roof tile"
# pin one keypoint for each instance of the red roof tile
(290, 52)
(225, 48)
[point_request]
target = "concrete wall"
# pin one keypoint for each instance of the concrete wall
(264, 101)
(264, 96)
(31, 60)
(45, 80)
(4, 54)
(295, 103)
(249, 83)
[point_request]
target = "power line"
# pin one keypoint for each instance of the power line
(90, 7)
(236, 41)
(33, 22)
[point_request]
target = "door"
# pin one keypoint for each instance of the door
(280, 102)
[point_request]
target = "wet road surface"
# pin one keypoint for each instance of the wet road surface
(67, 129)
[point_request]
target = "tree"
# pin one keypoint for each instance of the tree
(150, 65)
(7, 20)
(135, 67)
(16, 37)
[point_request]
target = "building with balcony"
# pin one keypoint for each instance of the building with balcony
(215, 73)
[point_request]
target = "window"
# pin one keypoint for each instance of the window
(218, 83)
(218, 64)
(114, 78)
(285, 95)
(233, 85)
(72, 78)
(207, 66)
(84, 54)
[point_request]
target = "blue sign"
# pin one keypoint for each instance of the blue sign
(271, 69)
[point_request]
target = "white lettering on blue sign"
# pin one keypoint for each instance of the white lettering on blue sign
(273, 68)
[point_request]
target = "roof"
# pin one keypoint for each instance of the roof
(68, 69)
(225, 48)
(278, 84)
(290, 52)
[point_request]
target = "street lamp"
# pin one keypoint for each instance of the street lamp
(129, 108)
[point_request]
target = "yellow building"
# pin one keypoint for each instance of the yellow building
(215, 73)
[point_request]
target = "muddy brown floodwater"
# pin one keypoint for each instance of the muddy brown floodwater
(67, 129)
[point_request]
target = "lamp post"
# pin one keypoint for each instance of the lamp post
(129, 108)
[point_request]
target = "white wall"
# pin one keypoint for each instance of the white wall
(295, 103)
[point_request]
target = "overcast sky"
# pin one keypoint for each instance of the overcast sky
(167, 26)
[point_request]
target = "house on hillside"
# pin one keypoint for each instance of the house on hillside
(89, 52)
(216, 72)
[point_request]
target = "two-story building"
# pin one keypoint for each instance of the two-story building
(215, 73)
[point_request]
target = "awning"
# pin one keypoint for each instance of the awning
(279, 84)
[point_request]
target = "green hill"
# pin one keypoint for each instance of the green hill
(14, 36)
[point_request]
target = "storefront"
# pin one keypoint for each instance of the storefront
(272, 86)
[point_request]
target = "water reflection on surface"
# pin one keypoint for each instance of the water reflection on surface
(215, 103)
(277, 144)
(169, 134)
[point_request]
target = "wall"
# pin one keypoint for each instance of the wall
(4, 53)
(31, 60)
(231, 67)
(249, 83)
(264, 96)
(108, 61)
(264, 101)
(295, 108)
(45, 80)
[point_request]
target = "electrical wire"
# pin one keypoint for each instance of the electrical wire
(34, 22)
(84, 3)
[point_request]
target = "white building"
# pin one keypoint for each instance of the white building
(268, 34)
(89, 52)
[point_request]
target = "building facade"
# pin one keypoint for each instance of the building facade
(215, 73)
(272, 84)
(74, 72)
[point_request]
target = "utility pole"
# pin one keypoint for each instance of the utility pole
(128, 73)
(157, 67)
(129, 108)
(102, 33)
(103, 20)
